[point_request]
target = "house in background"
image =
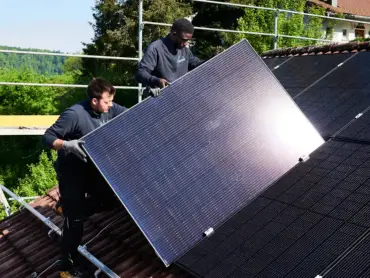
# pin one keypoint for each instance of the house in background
(351, 9)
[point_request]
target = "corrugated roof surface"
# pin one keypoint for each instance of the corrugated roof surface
(26, 248)
(300, 225)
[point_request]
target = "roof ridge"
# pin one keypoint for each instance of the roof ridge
(332, 48)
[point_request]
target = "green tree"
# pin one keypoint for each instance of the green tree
(288, 24)
(31, 100)
(215, 16)
(41, 64)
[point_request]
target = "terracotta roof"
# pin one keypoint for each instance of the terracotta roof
(332, 48)
(26, 248)
(352, 7)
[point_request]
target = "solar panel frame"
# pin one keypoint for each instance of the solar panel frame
(162, 115)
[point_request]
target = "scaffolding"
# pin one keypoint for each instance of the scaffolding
(142, 23)
(9, 130)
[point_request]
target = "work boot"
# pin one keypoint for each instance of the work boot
(71, 273)
(58, 207)
(69, 270)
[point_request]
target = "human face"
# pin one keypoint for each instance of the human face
(104, 104)
(182, 39)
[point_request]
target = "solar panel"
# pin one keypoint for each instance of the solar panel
(302, 71)
(185, 161)
(358, 129)
(339, 97)
(276, 61)
(300, 225)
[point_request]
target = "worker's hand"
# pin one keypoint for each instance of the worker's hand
(73, 146)
(163, 83)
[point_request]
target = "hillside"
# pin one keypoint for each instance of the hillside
(48, 65)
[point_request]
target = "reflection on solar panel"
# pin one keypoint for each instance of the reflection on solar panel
(187, 160)
(302, 71)
(337, 99)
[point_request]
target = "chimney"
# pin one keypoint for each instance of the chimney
(334, 3)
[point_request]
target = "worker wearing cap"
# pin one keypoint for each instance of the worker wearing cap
(167, 59)
(76, 175)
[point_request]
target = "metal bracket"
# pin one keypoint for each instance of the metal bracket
(208, 232)
(304, 158)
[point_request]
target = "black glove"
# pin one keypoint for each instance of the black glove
(73, 146)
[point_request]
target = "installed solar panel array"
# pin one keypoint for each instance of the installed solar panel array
(329, 98)
(207, 146)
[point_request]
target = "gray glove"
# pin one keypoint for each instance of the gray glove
(73, 146)
(154, 92)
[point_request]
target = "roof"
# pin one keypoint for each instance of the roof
(332, 48)
(300, 225)
(352, 7)
(26, 248)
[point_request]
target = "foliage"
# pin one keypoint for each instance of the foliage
(262, 21)
(41, 176)
(207, 43)
(39, 63)
(31, 100)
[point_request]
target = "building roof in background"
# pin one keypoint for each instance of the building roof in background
(26, 248)
(333, 48)
(352, 7)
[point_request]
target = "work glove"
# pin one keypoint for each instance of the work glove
(154, 92)
(73, 146)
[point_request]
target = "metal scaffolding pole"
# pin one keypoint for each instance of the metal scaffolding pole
(51, 225)
(4, 203)
(68, 55)
(59, 85)
(140, 46)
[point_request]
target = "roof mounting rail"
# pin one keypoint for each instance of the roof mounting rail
(54, 228)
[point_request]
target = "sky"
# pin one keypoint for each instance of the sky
(53, 25)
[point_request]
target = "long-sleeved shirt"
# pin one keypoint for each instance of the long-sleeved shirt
(74, 123)
(163, 60)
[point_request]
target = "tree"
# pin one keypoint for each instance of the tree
(262, 21)
(41, 64)
(215, 16)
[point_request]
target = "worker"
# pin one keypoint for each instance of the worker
(76, 174)
(168, 58)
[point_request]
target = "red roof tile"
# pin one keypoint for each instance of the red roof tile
(353, 7)
(26, 248)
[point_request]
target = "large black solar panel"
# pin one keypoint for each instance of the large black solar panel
(302, 71)
(276, 61)
(359, 129)
(300, 225)
(187, 160)
(339, 97)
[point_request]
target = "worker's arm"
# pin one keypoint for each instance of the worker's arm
(54, 136)
(194, 61)
(146, 67)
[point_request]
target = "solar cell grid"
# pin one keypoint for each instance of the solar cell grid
(208, 145)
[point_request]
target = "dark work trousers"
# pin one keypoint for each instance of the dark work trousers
(81, 196)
